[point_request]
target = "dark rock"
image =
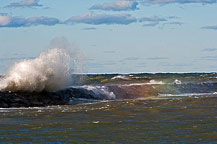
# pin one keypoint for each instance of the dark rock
(41, 99)
(27, 99)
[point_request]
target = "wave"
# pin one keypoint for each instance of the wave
(98, 92)
(121, 77)
(87, 93)
(50, 80)
(188, 94)
(177, 81)
(134, 91)
(50, 71)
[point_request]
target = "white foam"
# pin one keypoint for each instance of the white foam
(155, 82)
(123, 77)
(184, 94)
(152, 82)
(100, 91)
(177, 82)
(50, 71)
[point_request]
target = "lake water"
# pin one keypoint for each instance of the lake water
(160, 120)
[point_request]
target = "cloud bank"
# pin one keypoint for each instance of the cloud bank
(97, 19)
(25, 3)
(88, 18)
(152, 21)
(8, 21)
(178, 1)
(210, 27)
(174, 23)
(119, 5)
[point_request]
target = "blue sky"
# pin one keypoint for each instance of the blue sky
(116, 36)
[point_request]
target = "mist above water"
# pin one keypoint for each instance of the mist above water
(50, 71)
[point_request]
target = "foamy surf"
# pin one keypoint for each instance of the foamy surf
(98, 92)
(49, 72)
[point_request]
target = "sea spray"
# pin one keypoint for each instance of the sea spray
(76, 56)
(51, 71)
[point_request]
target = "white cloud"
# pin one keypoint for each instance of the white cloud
(25, 3)
(8, 21)
(178, 1)
(119, 5)
(152, 21)
(97, 19)
(152, 24)
(214, 27)
(4, 20)
(174, 23)
(88, 18)
(42, 21)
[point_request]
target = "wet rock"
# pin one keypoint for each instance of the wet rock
(41, 99)
(25, 99)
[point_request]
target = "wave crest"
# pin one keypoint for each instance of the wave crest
(49, 72)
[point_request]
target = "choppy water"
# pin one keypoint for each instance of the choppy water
(147, 108)
(184, 120)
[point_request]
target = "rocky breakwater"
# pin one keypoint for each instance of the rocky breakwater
(33, 99)
(41, 99)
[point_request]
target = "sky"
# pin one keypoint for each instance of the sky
(115, 36)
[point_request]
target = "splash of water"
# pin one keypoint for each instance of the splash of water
(50, 71)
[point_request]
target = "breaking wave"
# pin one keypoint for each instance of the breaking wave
(135, 91)
(122, 77)
(50, 83)
(50, 71)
